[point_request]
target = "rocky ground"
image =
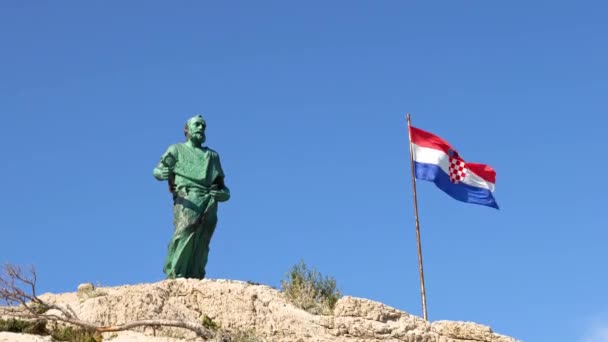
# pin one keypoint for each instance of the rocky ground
(253, 312)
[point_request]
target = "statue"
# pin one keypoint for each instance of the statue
(196, 180)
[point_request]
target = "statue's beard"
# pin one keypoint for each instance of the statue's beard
(198, 138)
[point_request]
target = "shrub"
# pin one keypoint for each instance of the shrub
(39, 327)
(310, 290)
(210, 324)
(36, 327)
(70, 334)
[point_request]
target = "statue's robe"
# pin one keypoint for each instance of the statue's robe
(195, 171)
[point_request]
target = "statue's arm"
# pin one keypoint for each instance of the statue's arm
(162, 171)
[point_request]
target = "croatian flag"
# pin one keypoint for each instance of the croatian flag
(437, 161)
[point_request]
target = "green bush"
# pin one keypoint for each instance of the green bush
(210, 324)
(310, 290)
(39, 327)
(70, 334)
(36, 327)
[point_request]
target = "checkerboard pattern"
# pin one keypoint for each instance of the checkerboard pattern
(457, 170)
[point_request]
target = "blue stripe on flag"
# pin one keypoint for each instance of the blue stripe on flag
(460, 191)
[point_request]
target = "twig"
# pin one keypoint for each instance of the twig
(197, 328)
(13, 278)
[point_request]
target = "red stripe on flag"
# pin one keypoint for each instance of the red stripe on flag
(426, 139)
(484, 171)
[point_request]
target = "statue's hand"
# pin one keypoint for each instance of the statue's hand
(219, 195)
(162, 173)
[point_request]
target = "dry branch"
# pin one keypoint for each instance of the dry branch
(18, 293)
(197, 328)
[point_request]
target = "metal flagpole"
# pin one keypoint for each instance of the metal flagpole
(422, 291)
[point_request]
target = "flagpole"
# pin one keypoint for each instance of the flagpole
(422, 291)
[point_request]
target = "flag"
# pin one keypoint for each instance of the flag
(437, 161)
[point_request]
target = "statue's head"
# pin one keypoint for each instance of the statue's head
(195, 129)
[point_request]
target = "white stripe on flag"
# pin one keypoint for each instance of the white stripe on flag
(432, 156)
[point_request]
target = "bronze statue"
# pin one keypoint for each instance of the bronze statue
(196, 180)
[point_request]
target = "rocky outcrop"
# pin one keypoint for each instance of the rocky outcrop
(257, 310)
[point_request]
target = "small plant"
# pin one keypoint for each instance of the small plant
(38, 308)
(310, 290)
(70, 334)
(209, 323)
(39, 327)
(36, 327)
(12, 325)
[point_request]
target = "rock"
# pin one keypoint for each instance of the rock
(256, 310)
(86, 287)
(467, 330)
(13, 337)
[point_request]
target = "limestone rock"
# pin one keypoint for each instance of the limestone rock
(13, 337)
(259, 311)
(86, 287)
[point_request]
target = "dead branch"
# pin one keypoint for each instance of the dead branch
(197, 328)
(13, 279)
(26, 304)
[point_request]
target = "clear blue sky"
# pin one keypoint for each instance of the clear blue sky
(305, 102)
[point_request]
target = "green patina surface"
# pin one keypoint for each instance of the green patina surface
(196, 180)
